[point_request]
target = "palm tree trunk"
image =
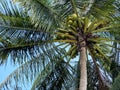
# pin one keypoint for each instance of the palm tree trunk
(83, 69)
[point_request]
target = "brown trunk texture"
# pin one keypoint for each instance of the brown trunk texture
(83, 69)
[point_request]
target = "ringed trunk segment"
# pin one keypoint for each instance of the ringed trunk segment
(83, 67)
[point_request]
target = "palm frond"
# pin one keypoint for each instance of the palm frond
(41, 13)
(115, 66)
(14, 22)
(115, 84)
(33, 66)
(102, 8)
(21, 50)
(104, 81)
(54, 79)
(16, 25)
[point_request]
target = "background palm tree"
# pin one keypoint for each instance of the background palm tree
(35, 34)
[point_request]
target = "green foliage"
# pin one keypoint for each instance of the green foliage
(54, 79)
(116, 84)
(29, 30)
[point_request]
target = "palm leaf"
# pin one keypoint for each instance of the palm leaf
(34, 66)
(54, 79)
(102, 8)
(46, 15)
(101, 72)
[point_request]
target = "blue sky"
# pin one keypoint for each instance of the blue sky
(5, 70)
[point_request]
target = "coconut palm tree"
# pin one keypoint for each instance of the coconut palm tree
(43, 37)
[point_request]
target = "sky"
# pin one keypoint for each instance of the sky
(5, 70)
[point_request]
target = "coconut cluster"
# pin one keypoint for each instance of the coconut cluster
(69, 33)
(76, 29)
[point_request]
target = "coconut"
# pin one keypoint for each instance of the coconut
(74, 16)
(70, 22)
